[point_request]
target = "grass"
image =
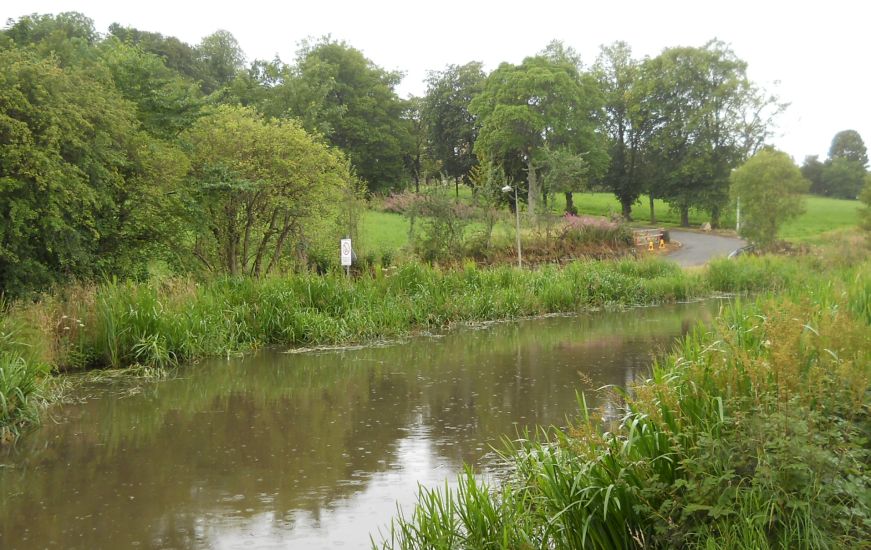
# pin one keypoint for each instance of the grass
(387, 231)
(821, 216)
(167, 322)
(381, 231)
(751, 435)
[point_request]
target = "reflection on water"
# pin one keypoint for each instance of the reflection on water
(308, 450)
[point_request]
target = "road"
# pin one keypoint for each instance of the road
(698, 248)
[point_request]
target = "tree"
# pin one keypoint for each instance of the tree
(260, 189)
(619, 76)
(812, 170)
(69, 37)
(82, 189)
(358, 108)
(565, 172)
(708, 117)
(769, 186)
(842, 178)
(178, 56)
(166, 103)
(221, 58)
(523, 108)
(452, 128)
(848, 144)
(415, 157)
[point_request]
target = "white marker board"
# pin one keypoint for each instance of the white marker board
(347, 252)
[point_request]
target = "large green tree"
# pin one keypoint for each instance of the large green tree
(82, 189)
(848, 144)
(69, 37)
(842, 178)
(843, 173)
(357, 108)
(769, 186)
(261, 189)
(812, 170)
(177, 55)
(544, 101)
(708, 117)
(221, 58)
(452, 128)
(166, 102)
(626, 122)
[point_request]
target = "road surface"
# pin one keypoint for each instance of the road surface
(698, 248)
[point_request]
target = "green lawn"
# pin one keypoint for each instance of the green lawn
(380, 231)
(821, 216)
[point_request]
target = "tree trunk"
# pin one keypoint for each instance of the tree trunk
(532, 195)
(627, 209)
(570, 204)
(715, 217)
(288, 224)
(684, 216)
(261, 248)
(652, 211)
(231, 244)
(457, 185)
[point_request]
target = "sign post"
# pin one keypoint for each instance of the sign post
(346, 254)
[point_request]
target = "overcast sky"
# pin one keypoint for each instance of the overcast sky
(815, 58)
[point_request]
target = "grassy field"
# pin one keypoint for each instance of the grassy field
(821, 215)
(381, 231)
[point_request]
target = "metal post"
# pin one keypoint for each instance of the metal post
(738, 217)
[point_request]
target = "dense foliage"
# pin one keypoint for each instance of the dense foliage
(114, 157)
(771, 187)
(101, 175)
(843, 173)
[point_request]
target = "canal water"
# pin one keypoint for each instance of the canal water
(309, 450)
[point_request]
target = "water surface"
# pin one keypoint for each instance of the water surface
(309, 450)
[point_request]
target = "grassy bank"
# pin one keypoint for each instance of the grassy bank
(173, 321)
(751, 435)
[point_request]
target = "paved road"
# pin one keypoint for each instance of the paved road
(698, 248)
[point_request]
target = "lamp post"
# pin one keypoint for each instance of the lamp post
(508, 189)
(738, 218)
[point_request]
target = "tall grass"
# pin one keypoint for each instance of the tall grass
(21, 376)
(163, 323)
(752, 435)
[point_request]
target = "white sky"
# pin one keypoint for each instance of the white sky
(813, 55)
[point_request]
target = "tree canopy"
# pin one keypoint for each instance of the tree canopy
(769, 186)
(452, 128)
(707, 119)
(81, 186)
(361, 110)
(848, 144)
(259, 185)
(843, 173)
(544, 101)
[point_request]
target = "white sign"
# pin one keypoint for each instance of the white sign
(346, 252)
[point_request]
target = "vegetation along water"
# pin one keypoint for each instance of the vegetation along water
(168, 206)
